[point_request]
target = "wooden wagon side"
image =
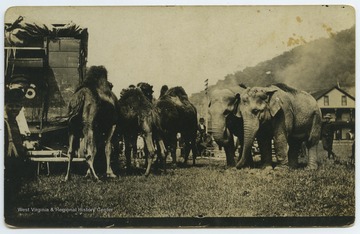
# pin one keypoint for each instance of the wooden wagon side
(47, 67)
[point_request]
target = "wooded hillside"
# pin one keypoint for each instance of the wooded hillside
(319, 64)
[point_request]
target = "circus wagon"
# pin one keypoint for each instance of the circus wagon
(43, 66)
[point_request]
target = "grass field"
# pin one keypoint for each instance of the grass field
(208, 189)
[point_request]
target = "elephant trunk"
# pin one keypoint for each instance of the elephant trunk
(221, 138)
(217, 130)
(250, 131)
(224, 138)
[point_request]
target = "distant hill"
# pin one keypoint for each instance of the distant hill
(316, 65)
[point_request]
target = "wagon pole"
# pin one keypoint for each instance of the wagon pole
(48, 148)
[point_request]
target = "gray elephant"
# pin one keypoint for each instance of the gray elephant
(289, 116)
(224, 124)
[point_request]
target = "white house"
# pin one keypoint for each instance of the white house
(341, 105)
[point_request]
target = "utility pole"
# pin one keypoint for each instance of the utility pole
(206, 104)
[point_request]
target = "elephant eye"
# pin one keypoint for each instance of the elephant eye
(255, 111)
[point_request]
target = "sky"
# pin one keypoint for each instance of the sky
(184, 46)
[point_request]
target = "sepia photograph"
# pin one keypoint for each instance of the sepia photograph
(222, 116)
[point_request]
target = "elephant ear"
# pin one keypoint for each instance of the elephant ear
(275, 102)
(233, 106)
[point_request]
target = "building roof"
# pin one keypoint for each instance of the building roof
(320, 93)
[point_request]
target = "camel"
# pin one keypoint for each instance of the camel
(92, 117)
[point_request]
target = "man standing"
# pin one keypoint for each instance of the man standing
(327, 135)
(202, 128)
(201, 136)
(352, 137)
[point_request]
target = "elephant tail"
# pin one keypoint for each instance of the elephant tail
(315, 131)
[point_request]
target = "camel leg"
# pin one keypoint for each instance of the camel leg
(151, 150)
(187, 151)
(174, 149)
(194, 150)
(128, 148)
(91, 148)
(163, 152)
(173, 154)
(91, 169)
(134, 152)
(70, 155)
(83, 152)
(109, 171)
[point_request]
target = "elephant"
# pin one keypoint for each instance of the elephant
(289, 116)
(224, 124)
(178, 115)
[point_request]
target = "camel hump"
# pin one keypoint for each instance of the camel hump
(106, 96)
(176, 100)
(177, 96)
(177, 91)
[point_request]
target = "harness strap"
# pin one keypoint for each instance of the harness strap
(11, 146)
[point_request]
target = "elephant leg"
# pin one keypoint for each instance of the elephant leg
(250, 161)
(264, 137)
(281, 144)
(295, 148)
(230, 151)
(314, 141)
(304, 150)
(312, 162)
(315, 133)
(230, 155)
(265, 151)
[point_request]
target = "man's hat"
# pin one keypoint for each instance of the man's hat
(327, 116)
